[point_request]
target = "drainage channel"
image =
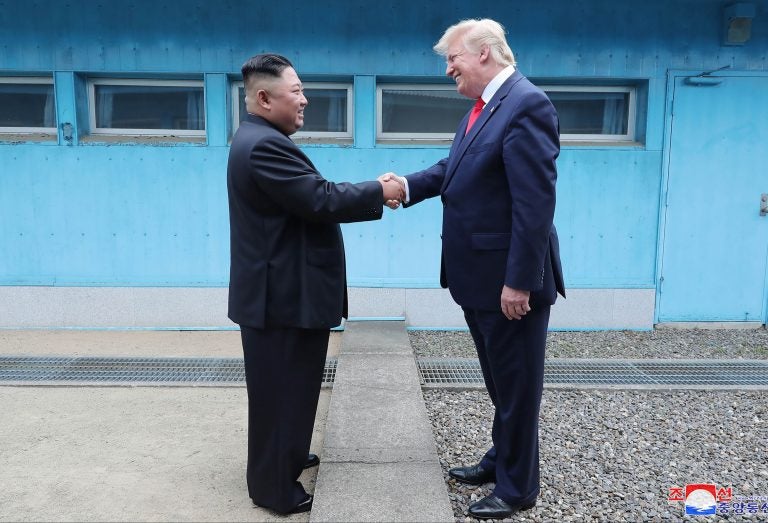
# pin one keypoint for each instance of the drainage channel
(22, 370)
(688, 374)
(434, 372)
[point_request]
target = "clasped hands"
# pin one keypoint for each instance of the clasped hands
(394, 189)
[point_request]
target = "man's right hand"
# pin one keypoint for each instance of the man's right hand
(386, 179)
(393, 189)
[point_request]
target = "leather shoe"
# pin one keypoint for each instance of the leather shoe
(312, 461)
(474, 475)
(492, 507)
(304, 506)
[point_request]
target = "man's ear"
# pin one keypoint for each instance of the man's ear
(485, 53)
(262, 98)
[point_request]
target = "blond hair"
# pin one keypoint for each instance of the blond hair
(476, 33)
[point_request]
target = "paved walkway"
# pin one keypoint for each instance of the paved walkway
(129, 453)
(379, 457)
(178, 453)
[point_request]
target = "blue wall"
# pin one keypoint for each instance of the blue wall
(138, 214)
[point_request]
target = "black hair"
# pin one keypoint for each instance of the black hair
(266, 65)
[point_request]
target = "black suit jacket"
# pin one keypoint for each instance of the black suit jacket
(287, 254)
(498, 192)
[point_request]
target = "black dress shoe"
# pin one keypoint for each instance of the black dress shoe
(312, 461)
(304, 506)
(492, 507)
(474, 475)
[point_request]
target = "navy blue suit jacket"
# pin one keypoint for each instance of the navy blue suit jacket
(497, 186)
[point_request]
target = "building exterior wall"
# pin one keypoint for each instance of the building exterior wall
(98, 233)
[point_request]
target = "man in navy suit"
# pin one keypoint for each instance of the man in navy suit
(287, 283)
(500, 256)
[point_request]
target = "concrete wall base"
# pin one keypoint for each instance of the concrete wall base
(206, 308)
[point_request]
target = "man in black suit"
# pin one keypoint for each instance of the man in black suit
(500, 257)
(287, 275)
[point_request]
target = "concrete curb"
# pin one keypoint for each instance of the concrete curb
(379, 461)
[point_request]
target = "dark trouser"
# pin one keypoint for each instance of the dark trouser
(283, 374)
(511, 354)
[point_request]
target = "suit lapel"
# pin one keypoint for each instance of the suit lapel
(458, 150)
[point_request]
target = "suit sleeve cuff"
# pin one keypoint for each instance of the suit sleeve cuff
(407, 198)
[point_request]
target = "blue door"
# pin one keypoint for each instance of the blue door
(715, 240)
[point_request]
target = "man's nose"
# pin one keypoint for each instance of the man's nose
(449, 70)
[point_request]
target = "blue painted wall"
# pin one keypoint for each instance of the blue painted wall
(133, 214)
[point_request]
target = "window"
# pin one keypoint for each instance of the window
(419, 112)
(147, 107)
(594, 113)
(327, 115)
(27, 105)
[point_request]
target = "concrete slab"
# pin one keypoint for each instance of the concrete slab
(129, 454)
(377, 426)
(712, 325)
(379, 457)
(366, 389)
(376, 302)
(402, 491)
(378, 371)
(376, 337)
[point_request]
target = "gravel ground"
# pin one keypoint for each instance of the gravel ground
(612, 455)
(661, 343)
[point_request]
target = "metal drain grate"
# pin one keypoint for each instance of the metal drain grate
(450, 371)
(435, 372)
(23, 370)
(622, 373)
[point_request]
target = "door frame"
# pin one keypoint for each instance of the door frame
(672, 76)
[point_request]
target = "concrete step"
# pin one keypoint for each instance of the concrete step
(379, 461)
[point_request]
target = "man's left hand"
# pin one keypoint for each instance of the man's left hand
(514, 303)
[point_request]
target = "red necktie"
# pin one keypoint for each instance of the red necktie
(479, 104)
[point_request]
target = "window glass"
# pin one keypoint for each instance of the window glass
(421, 112)
(327, 111)
(594, 112)
(591, 113)
(149, 107)
(27, 106)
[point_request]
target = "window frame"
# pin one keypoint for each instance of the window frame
(144, 82)
(304, 135)
(630, 135)
(35, 80)
(381, 136)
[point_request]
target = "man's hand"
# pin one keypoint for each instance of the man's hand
(393, 202)
(514, 303)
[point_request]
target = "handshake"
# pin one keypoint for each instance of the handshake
(394, 189)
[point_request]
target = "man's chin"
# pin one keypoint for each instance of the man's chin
(463, 92)
(296, 128)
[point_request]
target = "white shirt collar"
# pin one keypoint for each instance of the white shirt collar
(494, 84)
